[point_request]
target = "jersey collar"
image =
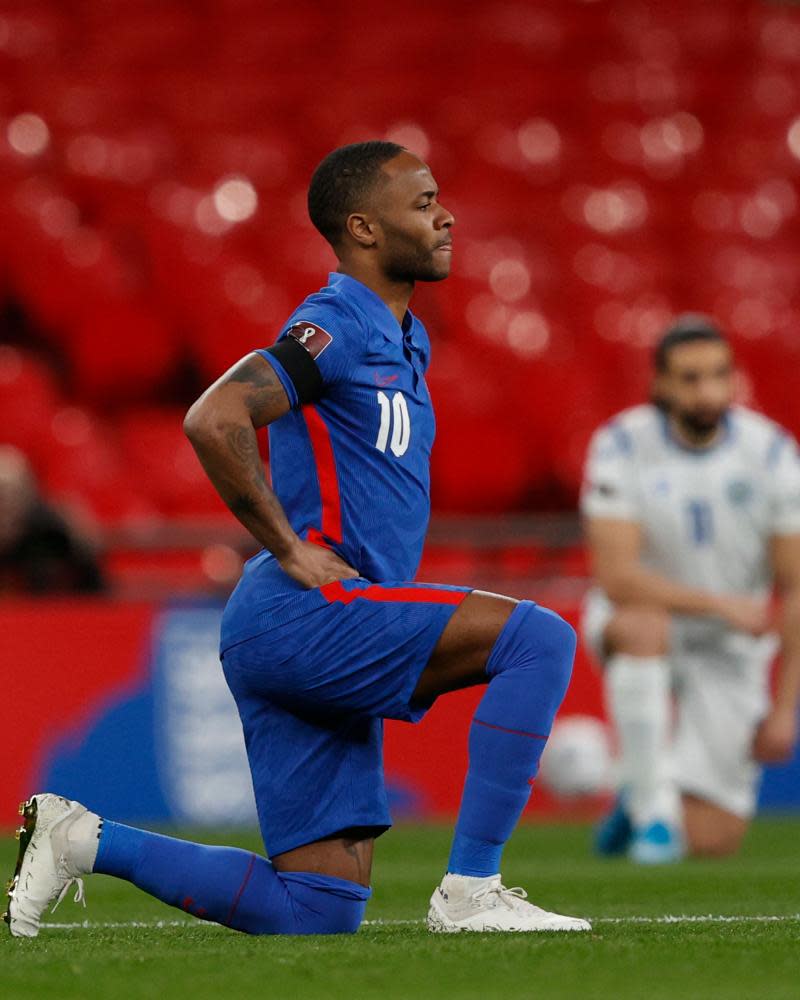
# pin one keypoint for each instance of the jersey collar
(372, 304)
(724, 438)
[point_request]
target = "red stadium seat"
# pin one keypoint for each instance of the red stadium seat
(29, 395)
(160, 457)
(121, 351)
(607, 164)
(84, 465)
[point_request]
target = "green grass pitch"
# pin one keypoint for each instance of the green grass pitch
(632, 952)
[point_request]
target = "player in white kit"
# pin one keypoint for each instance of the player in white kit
(692, 511)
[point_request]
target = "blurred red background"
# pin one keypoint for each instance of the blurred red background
(609, 163)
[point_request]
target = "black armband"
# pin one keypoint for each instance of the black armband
(300, 367)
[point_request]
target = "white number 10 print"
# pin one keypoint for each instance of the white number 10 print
(394, 419)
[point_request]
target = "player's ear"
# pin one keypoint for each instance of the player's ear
(361, 229)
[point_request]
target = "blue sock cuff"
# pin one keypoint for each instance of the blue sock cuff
(498, 658)
(114, 855)
(327, 883)
(475, 857)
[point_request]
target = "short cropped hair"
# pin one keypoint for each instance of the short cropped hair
(686, 329)
(342, 181)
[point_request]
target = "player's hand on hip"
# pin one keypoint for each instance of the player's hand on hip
(776, 736)
(314, 565)
(746, 614)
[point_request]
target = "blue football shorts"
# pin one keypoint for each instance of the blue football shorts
(313, 687)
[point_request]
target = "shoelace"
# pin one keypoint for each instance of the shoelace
(517, 892)
(80, 896)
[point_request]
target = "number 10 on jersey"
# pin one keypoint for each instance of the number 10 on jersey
(395, 428)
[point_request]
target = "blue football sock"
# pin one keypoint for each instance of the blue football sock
(229, 886)
(530, 666)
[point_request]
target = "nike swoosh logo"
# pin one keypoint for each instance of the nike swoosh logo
(385, 379)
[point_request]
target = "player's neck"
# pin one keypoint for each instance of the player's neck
(396, 294)
(694, 439)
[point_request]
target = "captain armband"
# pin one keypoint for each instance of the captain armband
(300, 367)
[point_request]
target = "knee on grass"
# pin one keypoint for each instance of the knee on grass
(319, 904)
(714, 847)
(711, 832)
(713, 843)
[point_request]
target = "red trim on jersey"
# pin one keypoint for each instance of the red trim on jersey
(322, 447)
(415, 595)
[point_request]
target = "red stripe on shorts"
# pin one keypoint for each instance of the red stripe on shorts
(322, 447)
(415, 595)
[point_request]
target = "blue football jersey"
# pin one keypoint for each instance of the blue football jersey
(352, 468)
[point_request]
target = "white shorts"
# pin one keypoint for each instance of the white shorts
(720, 679)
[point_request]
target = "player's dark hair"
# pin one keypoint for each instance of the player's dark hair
(686, 329)
(341, 182)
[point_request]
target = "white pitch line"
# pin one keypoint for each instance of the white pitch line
(117, 924)
(705, 918)
(701, 918)
(686, 918)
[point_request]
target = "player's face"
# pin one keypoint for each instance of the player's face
(698, 385)
(412, 227)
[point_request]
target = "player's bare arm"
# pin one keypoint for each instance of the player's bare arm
(777, 734)
(221, 426)
(615, 551)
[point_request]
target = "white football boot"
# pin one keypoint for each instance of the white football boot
(57, 845)
(462, 903)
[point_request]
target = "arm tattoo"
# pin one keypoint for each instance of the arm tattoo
(243, 506)
(253, 371)
(265, 389)
(227, 446)
(243, 444)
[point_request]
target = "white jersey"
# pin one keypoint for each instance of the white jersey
(706, 515)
